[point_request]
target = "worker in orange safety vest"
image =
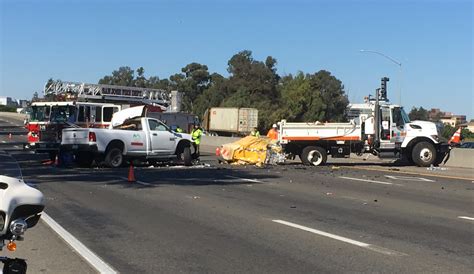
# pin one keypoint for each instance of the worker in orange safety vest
(273, 133)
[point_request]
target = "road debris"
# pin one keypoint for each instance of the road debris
(253, 151)
(434, 168)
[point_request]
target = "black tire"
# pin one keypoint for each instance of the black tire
(114, 157)
(84, 159)
(187, 157)
(423, 154)
(313, 156)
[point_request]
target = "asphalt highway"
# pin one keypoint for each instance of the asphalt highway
(216, 218)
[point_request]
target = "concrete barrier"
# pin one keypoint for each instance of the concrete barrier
(461, 157)
(217, 140)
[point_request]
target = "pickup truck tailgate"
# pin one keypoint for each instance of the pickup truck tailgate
(75, 136)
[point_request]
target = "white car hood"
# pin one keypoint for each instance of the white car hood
(129, 113)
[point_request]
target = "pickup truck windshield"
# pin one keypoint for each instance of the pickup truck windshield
(158, 126)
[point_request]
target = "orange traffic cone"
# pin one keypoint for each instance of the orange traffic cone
(218, 152)
(131, 174)
(456, 138)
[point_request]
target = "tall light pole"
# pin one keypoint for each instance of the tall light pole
(393, 61)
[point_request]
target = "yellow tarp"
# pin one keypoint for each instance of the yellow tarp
(248, 150)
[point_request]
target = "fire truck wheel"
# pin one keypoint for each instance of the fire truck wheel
(313, 156)
(84, 159)
(114, 157)
(423, 154)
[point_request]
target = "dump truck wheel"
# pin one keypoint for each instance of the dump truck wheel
(313, 156)
(423, 154)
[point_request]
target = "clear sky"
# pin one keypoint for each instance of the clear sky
(85, 40)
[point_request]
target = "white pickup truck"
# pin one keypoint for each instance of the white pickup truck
(130, 136)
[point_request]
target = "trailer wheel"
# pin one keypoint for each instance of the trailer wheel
(313, 156)
(114, 157)
(423, 154)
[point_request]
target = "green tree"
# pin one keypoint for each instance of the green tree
(253, 83)
(192, 82)
(418, 114)
(213, 96)
(140, 81)
(313, 97)
(124, 76)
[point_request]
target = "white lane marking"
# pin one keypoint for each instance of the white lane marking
(244, 179)
(375, 248)
(407, 178)
(138, 182)
(465, 217)
(86, 253)
(365, 180)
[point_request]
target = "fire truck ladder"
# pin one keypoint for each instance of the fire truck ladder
(109, 92)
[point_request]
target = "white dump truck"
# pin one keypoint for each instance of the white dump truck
(376, 127)
(131, 135)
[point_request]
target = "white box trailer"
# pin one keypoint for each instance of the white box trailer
(230, 121)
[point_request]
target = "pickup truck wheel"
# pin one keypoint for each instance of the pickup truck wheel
(313, 156)
(114, 157)
(423, 154)
(84, 159)
(187, 157)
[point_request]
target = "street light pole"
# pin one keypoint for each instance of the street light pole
(393, 61)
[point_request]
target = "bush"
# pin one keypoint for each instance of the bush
(7, 109)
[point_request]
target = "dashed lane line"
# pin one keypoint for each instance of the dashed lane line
(372, 247)
(244, 179)
(466, 218)
(137, 182)
(366, 180)
(92, 258)
(409, 172)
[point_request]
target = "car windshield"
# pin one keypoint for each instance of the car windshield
(9, 167)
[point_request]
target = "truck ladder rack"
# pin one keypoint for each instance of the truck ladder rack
(109, 92)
